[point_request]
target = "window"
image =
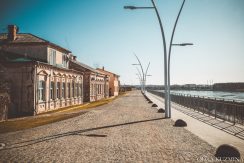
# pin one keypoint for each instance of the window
(63, 90)
(73, 89)
(52, 57)
(58, 89)
(81, 90)
(41, 90)
(68, 89)
(98, 92)
(100, 89)
(77, 90)
(52, 91)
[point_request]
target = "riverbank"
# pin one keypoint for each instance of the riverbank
(219, 95)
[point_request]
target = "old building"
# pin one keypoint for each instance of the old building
(113, 82)
(96, 83)
(38, 74)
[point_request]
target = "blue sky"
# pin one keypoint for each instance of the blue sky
(101, 33)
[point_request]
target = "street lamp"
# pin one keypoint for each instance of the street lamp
(166, 63)
(140, 77)
(146, 79)
(143, 74)
(134, 7)
(182, 44)
(140, 80)
(165, 52)
(146, 76)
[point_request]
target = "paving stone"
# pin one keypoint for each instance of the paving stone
(130, 131)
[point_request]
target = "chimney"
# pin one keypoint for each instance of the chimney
(103, 68)
(12, 32)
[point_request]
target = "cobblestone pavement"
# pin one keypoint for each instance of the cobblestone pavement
(126, 130)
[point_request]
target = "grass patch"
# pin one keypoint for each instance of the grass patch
(49, 117)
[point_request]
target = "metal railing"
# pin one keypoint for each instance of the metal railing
(226, 110)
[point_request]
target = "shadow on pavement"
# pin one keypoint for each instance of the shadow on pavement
(220, 124)
(71, 133)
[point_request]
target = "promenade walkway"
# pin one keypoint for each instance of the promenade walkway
(213, 131)
(126, 130)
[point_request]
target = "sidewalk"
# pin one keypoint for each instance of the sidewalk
(215, 132)
(125, 130)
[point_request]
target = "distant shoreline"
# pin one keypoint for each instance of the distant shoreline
(241, 91)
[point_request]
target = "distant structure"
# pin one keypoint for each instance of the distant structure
(233, 87)
(114, 83)
(199, 87)
(42, 76)
(125, 88)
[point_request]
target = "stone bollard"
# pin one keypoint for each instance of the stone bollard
(161, 110)
(229, 152)
(180, 123)
(154, 105)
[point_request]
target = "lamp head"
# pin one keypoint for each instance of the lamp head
(130, 7)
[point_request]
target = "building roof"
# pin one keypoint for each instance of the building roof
(14, 58)
(86, 67)
(27, 38)
(105, 71)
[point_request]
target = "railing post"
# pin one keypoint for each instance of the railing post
(224, 109)
(203, 105)
(235, 112)
(198, 103)
(215, 108)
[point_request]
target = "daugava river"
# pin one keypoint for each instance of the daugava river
(227, 96)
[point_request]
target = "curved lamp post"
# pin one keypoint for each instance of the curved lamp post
(182, 44)
(143, 75)
(166, 63)
(140, 77)
(165, 51)
(140, 80)
(170, 46)
(146, 77)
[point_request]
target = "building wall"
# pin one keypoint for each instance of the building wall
(21, 81)
(62, 88)
(94, 83)
(97, 88)
(24, 79)
(116, 86)
(113, 82)
(39, 52)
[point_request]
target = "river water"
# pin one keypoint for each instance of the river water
(227, 96)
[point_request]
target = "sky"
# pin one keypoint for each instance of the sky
(101, 33)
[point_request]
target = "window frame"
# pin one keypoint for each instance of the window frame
(41, 90)
(52, 90)
(52, 57)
